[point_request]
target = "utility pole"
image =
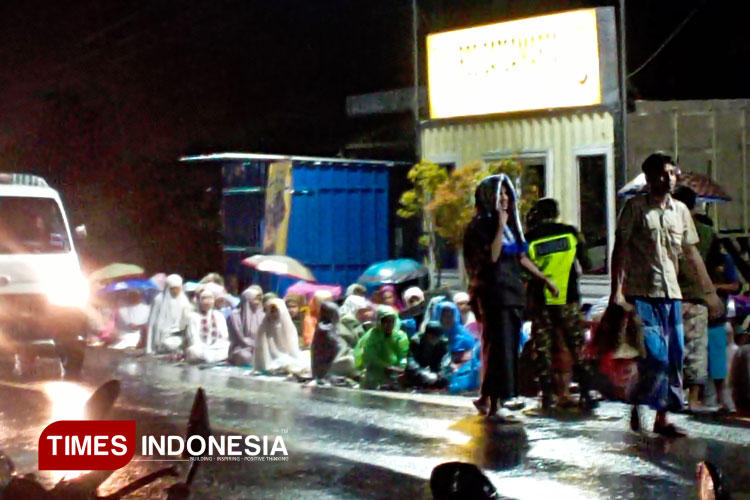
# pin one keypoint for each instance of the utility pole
(415, 61)
(621, 176)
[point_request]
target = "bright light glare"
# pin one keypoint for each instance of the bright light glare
(528, 488)
(73, 292)
(68, 400)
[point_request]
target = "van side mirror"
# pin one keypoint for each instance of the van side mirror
(80, 232)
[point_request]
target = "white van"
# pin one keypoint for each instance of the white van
(43, 293)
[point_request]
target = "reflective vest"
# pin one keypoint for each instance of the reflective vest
(555, 256)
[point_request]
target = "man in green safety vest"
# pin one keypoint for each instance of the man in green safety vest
(557, 322)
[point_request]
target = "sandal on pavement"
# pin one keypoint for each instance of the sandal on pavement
(670, 431)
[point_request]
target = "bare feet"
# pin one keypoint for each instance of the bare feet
(481, 406)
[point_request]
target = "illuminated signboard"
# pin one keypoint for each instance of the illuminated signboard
(537, 63)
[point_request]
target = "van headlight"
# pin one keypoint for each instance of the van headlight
(72, 292)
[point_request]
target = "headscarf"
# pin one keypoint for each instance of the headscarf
(466, 317)
(299, 321)
(412, 292)
(326, 341)
(486, 198)
(353, 304)
(356, 289)
(168, 315)
(268, 296)
(397, 304)
(277, 344)
(481, 231)
(251, 316)
(213, 288)
(213, 278)
(173, 280)
(459, 338)
(311, 318)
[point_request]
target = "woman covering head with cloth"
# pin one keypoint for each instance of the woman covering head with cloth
(297, 307)
(462, 300)
(311, 319)
(331, 355)
(277, 345)
(243, 324)
(169, 318)
(381, 352)
(389, 297)
(356, 289)
(207, 336)
(495, 254)
(355, 315)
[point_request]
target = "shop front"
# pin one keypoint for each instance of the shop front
(542, 91)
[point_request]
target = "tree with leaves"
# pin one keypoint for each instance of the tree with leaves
(445, 201)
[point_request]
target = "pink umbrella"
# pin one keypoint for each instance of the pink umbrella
(308, 289)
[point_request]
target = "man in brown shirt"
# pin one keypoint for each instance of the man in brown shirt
(653, 232)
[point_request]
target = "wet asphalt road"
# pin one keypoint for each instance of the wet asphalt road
(351, 444)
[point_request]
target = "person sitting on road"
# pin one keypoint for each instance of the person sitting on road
(243, 325)
(413, 314)
(207, 336)
(429, 359)
(355, 312)
(462, 300)
(311, 318)
(169, 318)
(277, 346)
(465, 354)
(297, 307)
(131, 320)
(331, 355)
(381, 353)
(389, 297)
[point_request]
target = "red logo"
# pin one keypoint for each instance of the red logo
(87, 445)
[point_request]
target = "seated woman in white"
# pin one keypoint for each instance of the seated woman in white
(277, 346)
(207, 336)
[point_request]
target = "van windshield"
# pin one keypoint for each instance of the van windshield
(31, 225)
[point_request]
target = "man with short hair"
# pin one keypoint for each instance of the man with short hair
(653, 232)
(559, 251)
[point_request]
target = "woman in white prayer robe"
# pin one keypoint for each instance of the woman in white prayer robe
(207, 336)
(169, 318)
(277, 346)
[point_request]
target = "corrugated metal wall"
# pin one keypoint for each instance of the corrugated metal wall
(339, 222)
(557, 136)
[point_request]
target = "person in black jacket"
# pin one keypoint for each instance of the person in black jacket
(429, 360)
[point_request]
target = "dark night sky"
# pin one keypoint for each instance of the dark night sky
(95, 95)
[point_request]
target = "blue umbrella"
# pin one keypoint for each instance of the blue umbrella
(393, 272)
(148, 289)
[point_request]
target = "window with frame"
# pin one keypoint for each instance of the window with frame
(592, 185)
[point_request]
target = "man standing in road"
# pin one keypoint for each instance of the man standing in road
(653, 232)
(559, 251)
